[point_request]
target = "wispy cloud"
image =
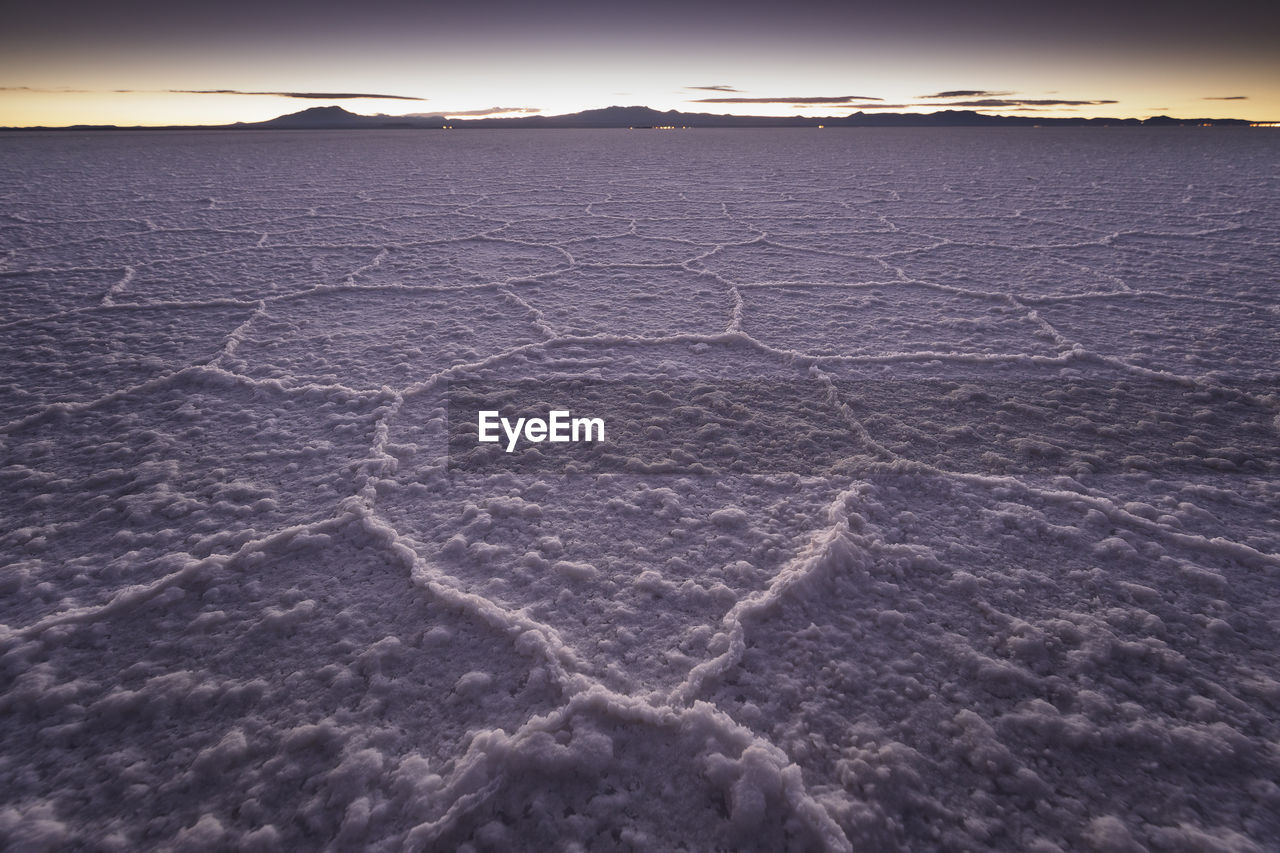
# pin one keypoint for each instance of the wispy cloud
(1023, 102)
(718, 88)
(803, 99)
(966, 93)
(863, 102)
(1004, 104)
(981, 98)
(1226, 98)
(316, 96)
(491, 111)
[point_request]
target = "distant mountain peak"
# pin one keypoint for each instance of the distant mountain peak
(320, 117)
(328, 112)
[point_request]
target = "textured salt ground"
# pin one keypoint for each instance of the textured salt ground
(758, 262)
(886, 319)
(1048, 272)
(339, 338)
(578, 226)
(1175, 335)
(100, 498)
(947, 519)
(126, 346)
(41, 293)
(1062, 694)
(465, 262)
(628, 302)
(705, 229)
(246, 274)
(276, 682)
(1079, 418)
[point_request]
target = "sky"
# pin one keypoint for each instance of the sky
(155, 62)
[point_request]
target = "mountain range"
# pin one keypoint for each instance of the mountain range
(336, 118)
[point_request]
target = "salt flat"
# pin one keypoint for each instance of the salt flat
(942, 509)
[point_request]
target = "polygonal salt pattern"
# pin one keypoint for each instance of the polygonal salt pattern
(369, 337)
(279, 725)
(928, 641)
(200, 463)
(937, 510)
(1182, 336)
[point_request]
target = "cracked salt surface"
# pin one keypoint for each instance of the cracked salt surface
(1002, 577)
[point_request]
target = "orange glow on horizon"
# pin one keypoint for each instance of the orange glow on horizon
(53, 101)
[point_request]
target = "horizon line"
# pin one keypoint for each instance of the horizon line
(479, 122)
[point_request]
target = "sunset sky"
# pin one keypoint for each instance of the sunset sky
(146, 62)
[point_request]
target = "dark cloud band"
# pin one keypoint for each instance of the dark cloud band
(317, 96)
(966, 93)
